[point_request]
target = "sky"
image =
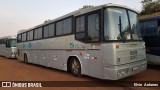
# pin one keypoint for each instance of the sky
(16, 15)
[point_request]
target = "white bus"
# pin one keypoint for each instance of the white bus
(101, 42)
(8, 47)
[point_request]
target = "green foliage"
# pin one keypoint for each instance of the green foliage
(150, 6)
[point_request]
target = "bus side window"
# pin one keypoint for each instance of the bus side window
(93, 27)
(8, 44)
(19, 38)
(158, 26)
(30, 35)
(64, 27)
(24, 37)
(51, 30)
(158, 29)
(38, 33)
(80, 28)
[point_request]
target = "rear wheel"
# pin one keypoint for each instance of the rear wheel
(75, 67)
(25, 58)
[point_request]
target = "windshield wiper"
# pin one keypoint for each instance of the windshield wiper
(120, 30)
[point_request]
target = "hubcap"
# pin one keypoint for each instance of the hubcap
(75, 66)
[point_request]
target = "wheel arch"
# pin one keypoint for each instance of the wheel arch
(70, 58)
(25, 56)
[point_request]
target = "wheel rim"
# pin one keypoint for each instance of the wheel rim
(75, 66)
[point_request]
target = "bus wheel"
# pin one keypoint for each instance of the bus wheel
(75, 67)
(25, 58)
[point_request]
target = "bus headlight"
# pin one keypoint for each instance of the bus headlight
(14, 53)
(122, 72)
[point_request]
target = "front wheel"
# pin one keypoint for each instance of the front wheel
(75, 67)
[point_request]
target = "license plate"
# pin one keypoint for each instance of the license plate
(135, 68)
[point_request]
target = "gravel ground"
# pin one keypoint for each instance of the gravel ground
(14, 70)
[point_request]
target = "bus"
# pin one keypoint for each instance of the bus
(150, 30)
(8, 47)
(101, 42)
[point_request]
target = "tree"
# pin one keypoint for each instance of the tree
(145, 2)
(150, 6)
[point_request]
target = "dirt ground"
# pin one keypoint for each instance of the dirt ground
(15, 70)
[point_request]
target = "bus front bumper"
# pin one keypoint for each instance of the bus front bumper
(125, 70)
(12, 56)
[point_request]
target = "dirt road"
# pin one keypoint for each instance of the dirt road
(14, 70)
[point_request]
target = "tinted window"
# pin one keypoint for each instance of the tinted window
(64, 27)
(35, 34)
(30, 35)
(8, 45)
(93, 27)
(45, 31)
(150, 27)
(19, 38)
(51, 30)
(67, 26)
(59, 28)
(24, 37)
(80, 36)
(80, 29)
(159, 26)
(80, 24)
(38, 33)
(141, 28)
(2, 41)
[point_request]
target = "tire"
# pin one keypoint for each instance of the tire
(25, 58)
(75, 67)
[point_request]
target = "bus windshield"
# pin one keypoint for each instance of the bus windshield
(13, 43)
(120, 24)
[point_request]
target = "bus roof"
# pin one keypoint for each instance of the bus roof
(78, 12)
(8, 37)
(150, 17)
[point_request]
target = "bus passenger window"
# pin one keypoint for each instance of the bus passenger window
(30, 35)
(51, 30)
(24, 37)
(158, 29)
(38, 33)
(158, 26)
(19, 38)
(59, 28)
(45, 34)
(67, 26)
(64, 27)
(35, 34)
(93, 27)
(8, 44)
(80, 28)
